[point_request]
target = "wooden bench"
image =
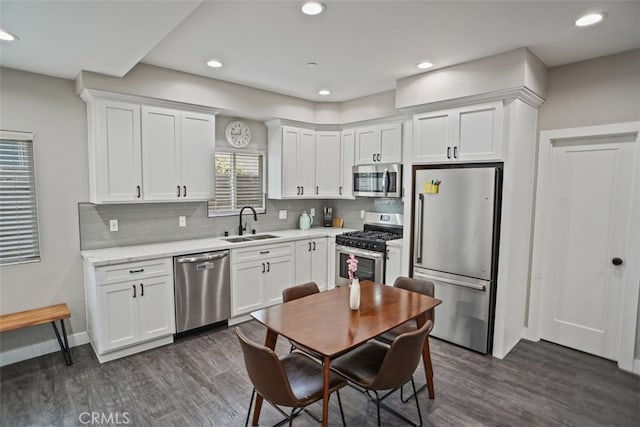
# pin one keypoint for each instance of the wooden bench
(39, 316)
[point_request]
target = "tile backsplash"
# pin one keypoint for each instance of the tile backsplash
(144, 223)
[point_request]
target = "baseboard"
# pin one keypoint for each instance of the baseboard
(636, 366)
(29, 352)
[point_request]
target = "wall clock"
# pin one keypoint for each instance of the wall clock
(238, 134)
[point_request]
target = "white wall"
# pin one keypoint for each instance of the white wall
(50, 108)
(599, 91)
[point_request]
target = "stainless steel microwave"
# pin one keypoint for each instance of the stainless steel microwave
(384, 180)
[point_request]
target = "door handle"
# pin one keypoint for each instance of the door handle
(448, 152)
(268, 267)
(134, 290)
(178, 191)
(184, 188)
(263, 267)
(617, 261)
(317, 189)
(374, 157)
(455, 152)
(141, 290)
(302, 190)
(264, 252)
(314, 246)
(138, 193)
(309, 247)
(340, 190)
(387, 253)
(378, 156)
(298, 193)
(421, 210)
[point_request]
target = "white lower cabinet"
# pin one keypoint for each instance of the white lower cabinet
(258, 276)
(130, 307)
(312, 261)
(393, 265)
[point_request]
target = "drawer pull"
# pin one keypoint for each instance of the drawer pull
(264, 252)
(140, 270)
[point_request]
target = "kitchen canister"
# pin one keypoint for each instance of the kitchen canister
(305, 221)
(354, 294)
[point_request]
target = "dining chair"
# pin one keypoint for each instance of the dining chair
(376, 367)
(424, 287)
(299, 291)
(294, 380)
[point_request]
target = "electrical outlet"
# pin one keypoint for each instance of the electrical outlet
(282, 214)
(312, 212)
(182, 221)
(113, 225)
(362, 214)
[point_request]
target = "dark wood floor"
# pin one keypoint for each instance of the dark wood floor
(200, 381)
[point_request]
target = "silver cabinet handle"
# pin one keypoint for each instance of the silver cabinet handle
(421, 210)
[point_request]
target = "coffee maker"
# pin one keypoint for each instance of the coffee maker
(327, 216)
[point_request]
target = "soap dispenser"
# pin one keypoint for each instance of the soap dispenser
(305, 221)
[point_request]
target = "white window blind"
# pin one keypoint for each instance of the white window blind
(239, 182)
(18, 212)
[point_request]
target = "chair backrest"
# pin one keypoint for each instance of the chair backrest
(266, 372)
(424, 287)
(401, 359)
(299, 291)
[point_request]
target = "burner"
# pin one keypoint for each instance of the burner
(371, 240)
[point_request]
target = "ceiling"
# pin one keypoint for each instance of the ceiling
(360, 47)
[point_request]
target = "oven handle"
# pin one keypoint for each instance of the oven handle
(359, 252)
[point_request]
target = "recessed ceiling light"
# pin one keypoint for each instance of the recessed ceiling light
(424, 65)
(590, 19)
(324, 92)
(6, 36)
(214, 63)
(313, 8)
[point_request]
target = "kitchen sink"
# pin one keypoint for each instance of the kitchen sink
(250, 238)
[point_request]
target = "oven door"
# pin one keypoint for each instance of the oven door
(370, 265)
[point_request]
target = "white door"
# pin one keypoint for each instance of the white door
(196, 156)
(433, 134)
(161, 153)
(478, 132)
(328, 164)
(390, 143)
(118, 315)
(279, 275)
(320, 263)
(367, 145)
(393, 266)
(303, 261)
(587, 222)
(247, 280)
(307, 162)
(347, 145)
(156, 307)
(290, 142)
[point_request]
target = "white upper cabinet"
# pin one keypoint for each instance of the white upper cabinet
(292, 163)
(307, 163)
(347, 146)
(327, 164)
(472, 133)
(148, 153)
(115, 166)
(379, 144)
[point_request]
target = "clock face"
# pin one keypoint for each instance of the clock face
(238, 134)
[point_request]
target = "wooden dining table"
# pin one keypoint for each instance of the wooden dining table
(324, 323)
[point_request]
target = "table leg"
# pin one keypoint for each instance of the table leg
(426, 358)
(270, 341)
(325, 394)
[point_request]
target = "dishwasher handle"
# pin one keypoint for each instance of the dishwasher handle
(201, 258)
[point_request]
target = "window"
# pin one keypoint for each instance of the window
(18, 213)
(239, 182)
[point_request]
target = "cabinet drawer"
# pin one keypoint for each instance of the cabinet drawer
(261, 252)
(133, 271)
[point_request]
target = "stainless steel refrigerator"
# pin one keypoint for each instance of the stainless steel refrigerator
(456, 234)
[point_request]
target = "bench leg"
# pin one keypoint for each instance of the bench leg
(64, 347)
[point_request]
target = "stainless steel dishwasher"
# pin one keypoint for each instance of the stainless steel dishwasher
(202, 289)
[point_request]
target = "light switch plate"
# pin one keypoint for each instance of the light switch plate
(182, 221)
(312, 212)
(362, 214)
(113, 225)
(282, 214)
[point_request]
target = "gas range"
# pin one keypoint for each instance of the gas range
(378, 229)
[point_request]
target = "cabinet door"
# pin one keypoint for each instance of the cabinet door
(290, 142)
(307, 162)
(367, 145)
(320, 263)
(479, 132)
(280, 275)
(303, 261)
(328, 164)
(155, 303)
(118, 315)
(116, 154)
(433, 137)
(348, 140)
(247, 283)
(391, 143)
(196, 156)
(331, 262)
(393, 265)
(161, 153)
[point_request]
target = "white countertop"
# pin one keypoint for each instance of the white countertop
(134, 253)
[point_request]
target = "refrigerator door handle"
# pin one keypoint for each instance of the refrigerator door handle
(481, 288)
(421, 210)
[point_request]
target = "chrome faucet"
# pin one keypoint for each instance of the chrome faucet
(255, 218)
